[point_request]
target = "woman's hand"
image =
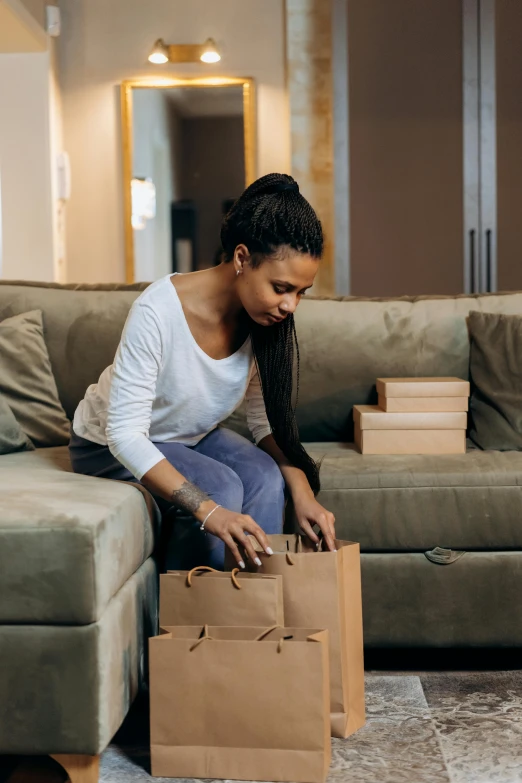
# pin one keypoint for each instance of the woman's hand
(235, 529)
(309, 512)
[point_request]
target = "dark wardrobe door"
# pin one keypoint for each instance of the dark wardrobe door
(405, 107)
(508, 23)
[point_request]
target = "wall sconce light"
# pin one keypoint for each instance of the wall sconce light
(210, 53)
(184, 53)
(159, 54)
(143, 197)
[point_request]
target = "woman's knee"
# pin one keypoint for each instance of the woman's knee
(220, 482)
(224, 487)
(264, 475)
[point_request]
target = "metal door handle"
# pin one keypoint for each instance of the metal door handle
(472, 260)
(488, 260)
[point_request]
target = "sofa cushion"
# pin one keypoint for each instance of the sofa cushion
(67, 542)
(410, 602)
(345, 343)
(12, 437)
(83, 325)
(27, 380)
(413, 503)
(496, 373)
(67, 689)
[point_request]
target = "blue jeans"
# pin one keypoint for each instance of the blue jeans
(232, 471)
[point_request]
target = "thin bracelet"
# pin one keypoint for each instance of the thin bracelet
(208, 515)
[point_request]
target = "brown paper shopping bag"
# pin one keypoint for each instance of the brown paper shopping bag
(323, 590)
(204, 596)
(240, 704)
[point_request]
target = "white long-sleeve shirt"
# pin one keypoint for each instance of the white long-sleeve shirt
(163, 387)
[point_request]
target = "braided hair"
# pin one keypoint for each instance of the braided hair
(270, 215)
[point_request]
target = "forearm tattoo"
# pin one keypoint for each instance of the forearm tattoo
(189, 497)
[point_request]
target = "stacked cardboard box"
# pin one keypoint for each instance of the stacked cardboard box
(414, 416)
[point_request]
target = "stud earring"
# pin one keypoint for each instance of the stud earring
(238, 272)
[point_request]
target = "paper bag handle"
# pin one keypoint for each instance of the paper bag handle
(215, 571)
(205, 635)
(269, 630)
(299, 548)
(266, 632)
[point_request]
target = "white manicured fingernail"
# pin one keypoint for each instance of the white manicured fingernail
(241, 564)
(269, 550)
(257, 561)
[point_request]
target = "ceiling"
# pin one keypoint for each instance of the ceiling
(19, 30)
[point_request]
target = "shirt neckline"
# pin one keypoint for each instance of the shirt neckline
(195, 343)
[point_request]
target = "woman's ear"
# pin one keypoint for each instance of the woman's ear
(241, 258)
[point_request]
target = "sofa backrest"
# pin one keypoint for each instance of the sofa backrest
(348, 343)
(82, 327)
(345, 343)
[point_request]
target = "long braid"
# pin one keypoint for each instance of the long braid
(271, 214)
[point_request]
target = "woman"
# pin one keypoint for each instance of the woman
(193, 347)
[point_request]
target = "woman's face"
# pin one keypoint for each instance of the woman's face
(271, 291)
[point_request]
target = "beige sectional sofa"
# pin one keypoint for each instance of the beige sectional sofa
(78, 584)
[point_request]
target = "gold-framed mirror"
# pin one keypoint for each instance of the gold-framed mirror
(189, 150)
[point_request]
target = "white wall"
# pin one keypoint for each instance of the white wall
(104, 43)
(32, 240)
(25, 167)
(59, 206)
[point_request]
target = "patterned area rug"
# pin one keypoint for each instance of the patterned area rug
(451, 727)
(438, 728)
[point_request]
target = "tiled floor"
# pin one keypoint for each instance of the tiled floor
(422, 727)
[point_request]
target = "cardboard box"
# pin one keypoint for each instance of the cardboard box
(411, 441)
(422, 387)
(371, 417)
(419, 404)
